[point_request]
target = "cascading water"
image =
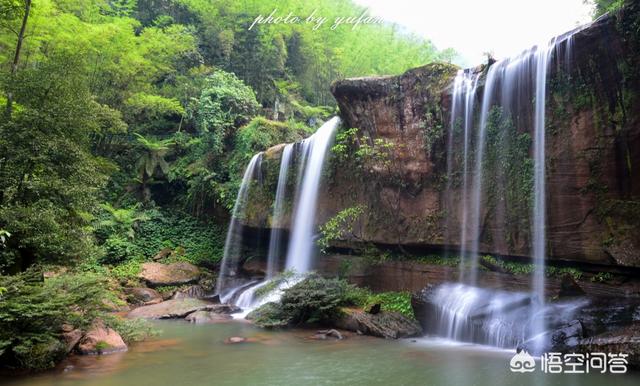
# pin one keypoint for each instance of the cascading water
(497, 318)
(464, 92)
(301, 245)
(275, 239)
(539, 206)
(312, 153)
(233, 242)
(465, 312)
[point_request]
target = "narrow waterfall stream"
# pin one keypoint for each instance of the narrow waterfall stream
(301, 246)
(233, 242)
(275, 239)
(301, 250)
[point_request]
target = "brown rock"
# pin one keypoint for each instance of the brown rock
(235, 340)
(191, 292)
(569, 287)
(625, 340)
(143, 296)
(389, 325)
(162, 254)
(101, 340)
(157, 274)
(70, 336)
(592, 184)
(204, 317)
(170, 309)
(324, 334)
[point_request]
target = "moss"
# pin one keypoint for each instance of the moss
(517, 268)
(102, 345)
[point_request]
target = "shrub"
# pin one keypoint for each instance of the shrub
(33, 309)
(314, 299)
(270, 315)
(117, 249)
(131, 330)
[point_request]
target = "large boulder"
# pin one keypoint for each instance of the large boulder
(101, 340)
(143, 296)
(389, 325)
(157, 274)
(170, 309)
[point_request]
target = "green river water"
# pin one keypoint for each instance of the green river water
(190, 355)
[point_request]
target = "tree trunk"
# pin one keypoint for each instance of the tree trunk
(16, 57)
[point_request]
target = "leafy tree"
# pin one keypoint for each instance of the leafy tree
(225, 102)
(341, 226)
(151, 161)
(603, 6)
(122, 220)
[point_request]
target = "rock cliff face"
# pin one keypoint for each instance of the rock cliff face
(593, 152)
(592, 148)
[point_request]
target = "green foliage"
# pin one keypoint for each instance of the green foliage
(122, 101)
(393, 302)
(199, 243)
(280, 279)
(4, 235)
(601, 277)
(33, 310)
(518, 268)
(319, 300)
(122, 221)
(225, 102)
(152, 113)
(340, 226)
(451, 261)
(314, 299)
(131, 330)
(270, 315)
(603, 6)
(127, 271)
(367, 157)
(508, 173)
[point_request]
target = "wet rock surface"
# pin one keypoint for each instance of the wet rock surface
(563, 339)
(625, 340)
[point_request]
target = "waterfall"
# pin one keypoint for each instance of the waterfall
(301, 244)
(464, 92)
(490, 317)
(233, 242)
(312, 154)
(539, 206)
(517, 88)
(275, 239)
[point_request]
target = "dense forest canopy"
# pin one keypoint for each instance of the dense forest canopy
(152, 104)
